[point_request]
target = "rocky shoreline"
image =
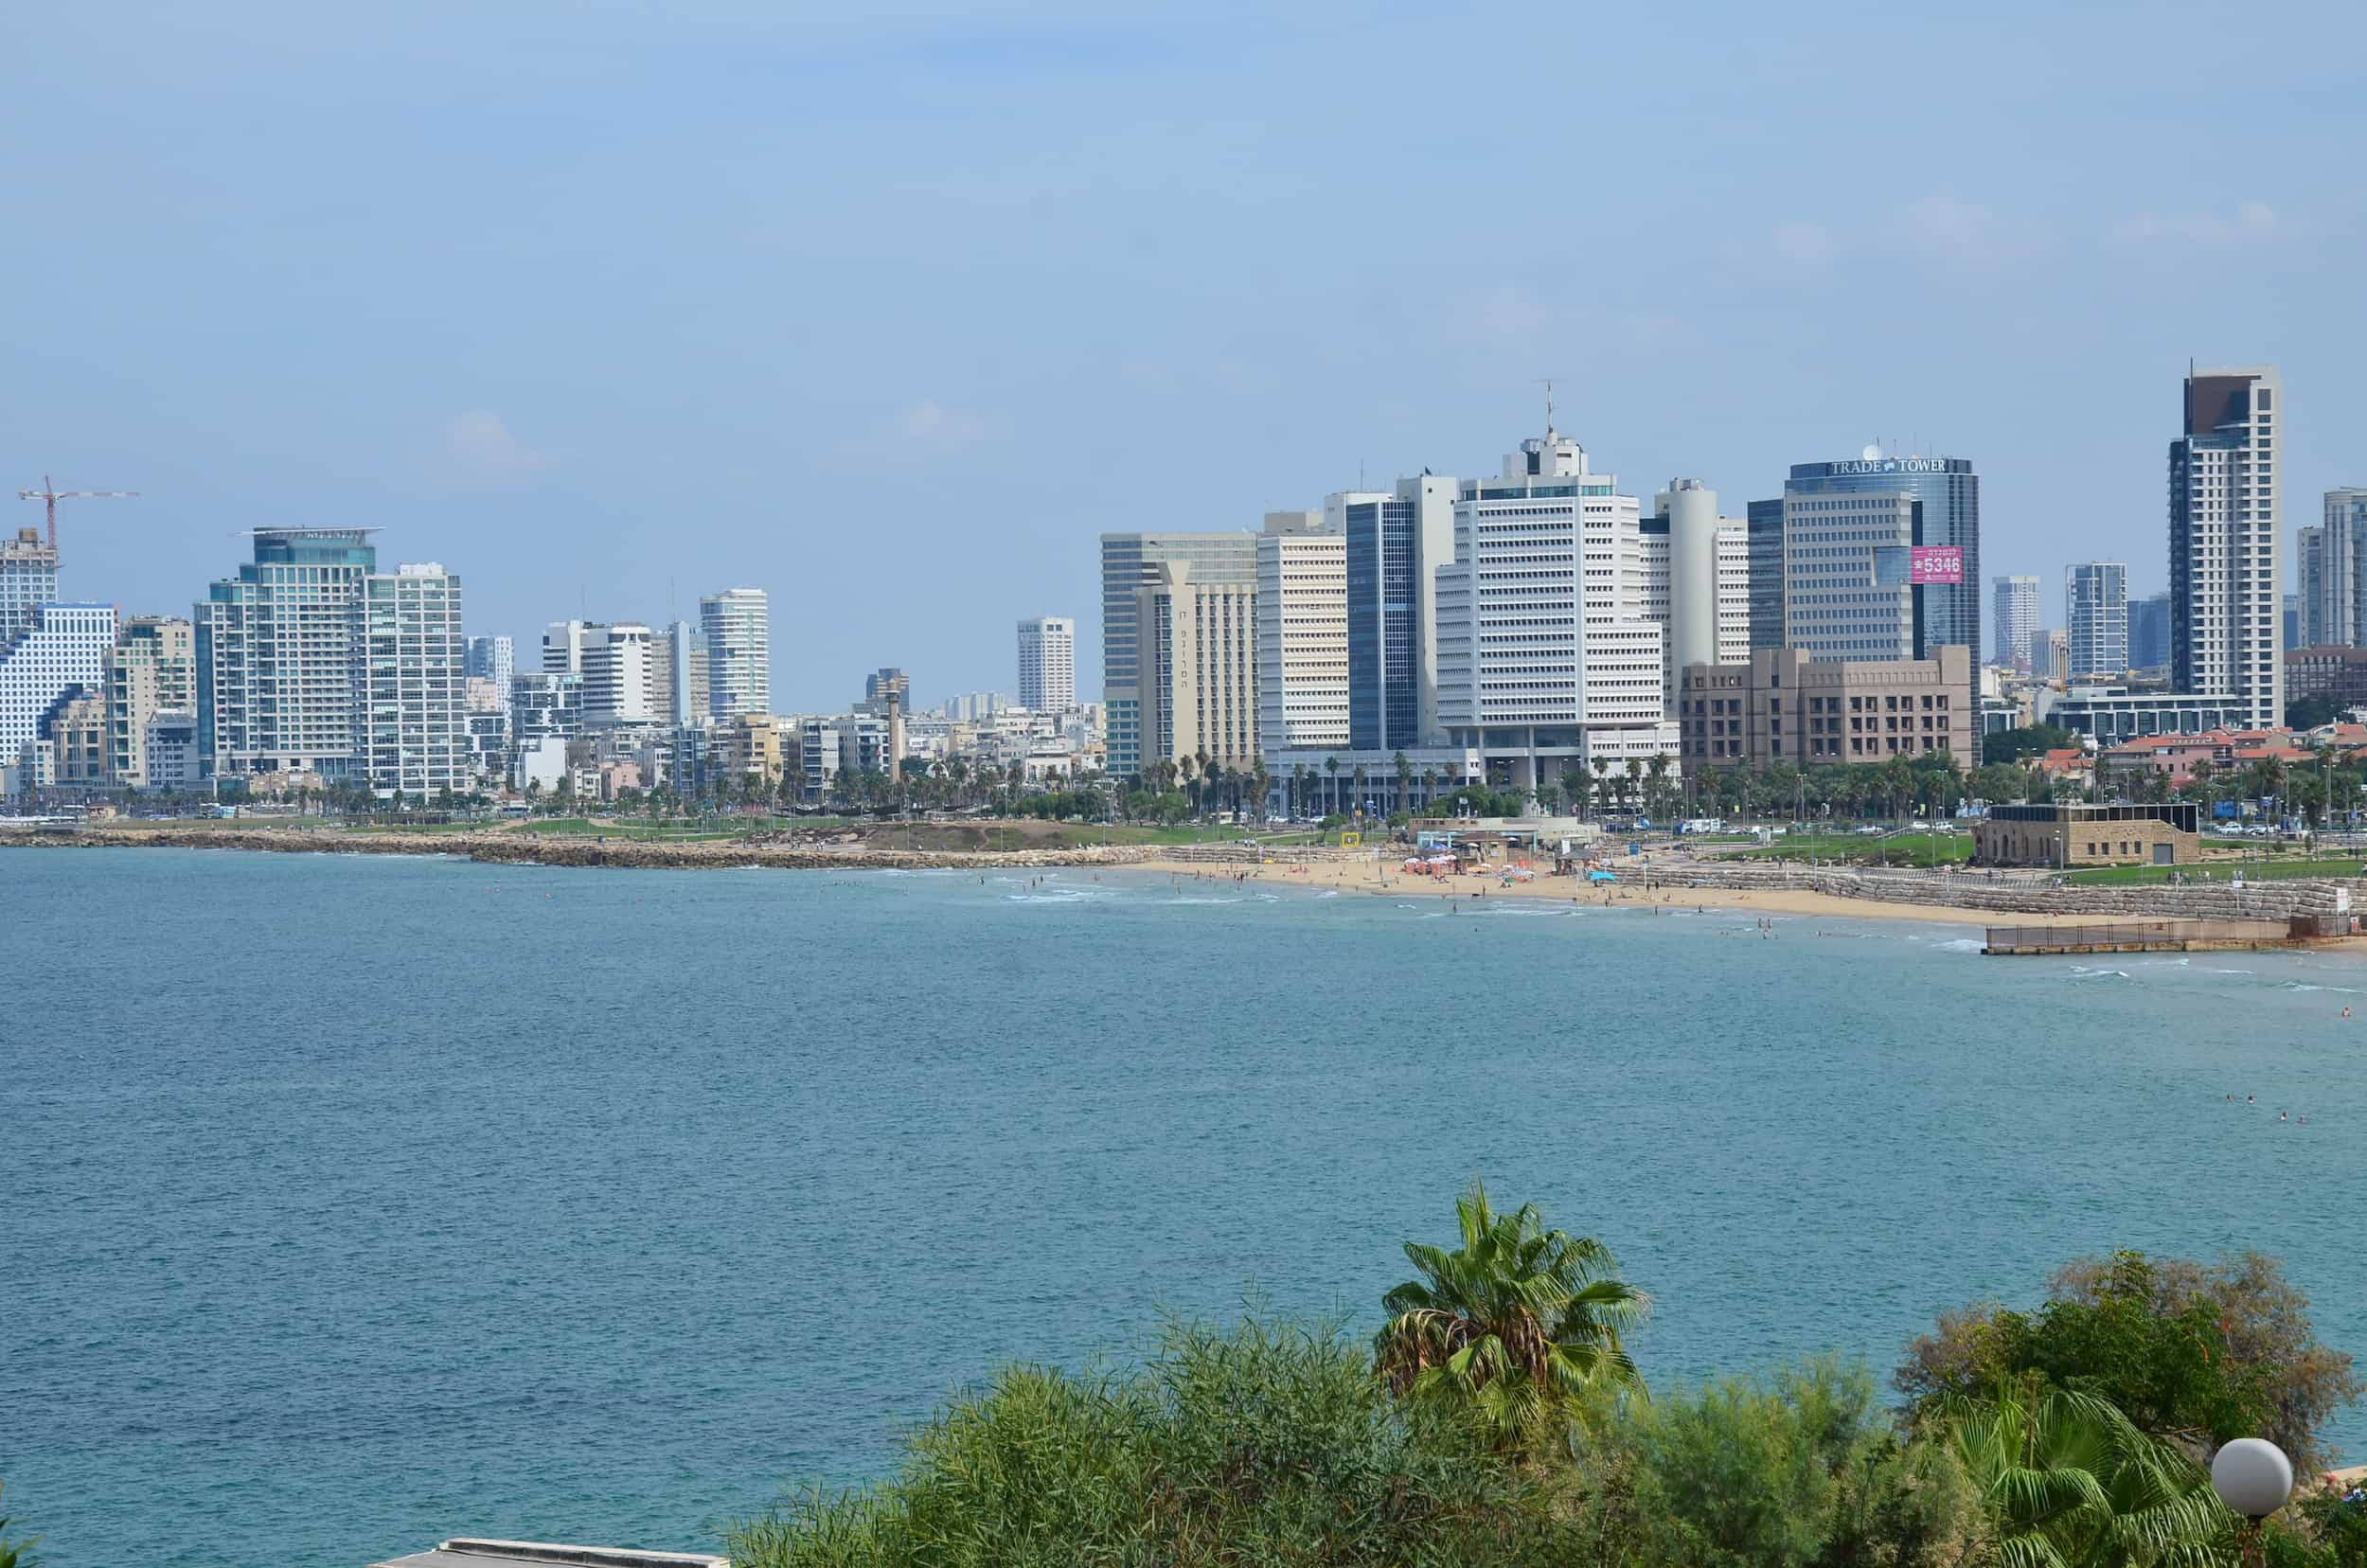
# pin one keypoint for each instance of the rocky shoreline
(510, 849)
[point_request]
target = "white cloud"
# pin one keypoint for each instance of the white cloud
(1967, 236)
(930, 420)
(1805, 244)
(2250, 221)
(477, 448)
(1503, 312)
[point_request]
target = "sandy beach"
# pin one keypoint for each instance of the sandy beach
(1629, 893)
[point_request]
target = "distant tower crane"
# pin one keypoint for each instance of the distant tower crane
(52, 494)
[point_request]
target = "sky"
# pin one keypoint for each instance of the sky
(893, 309)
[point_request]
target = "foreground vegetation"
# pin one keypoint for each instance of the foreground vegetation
(1497, 1417)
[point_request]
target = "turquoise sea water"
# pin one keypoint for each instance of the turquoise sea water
(352, 1201)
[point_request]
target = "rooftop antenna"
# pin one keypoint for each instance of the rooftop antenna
(1547, 382)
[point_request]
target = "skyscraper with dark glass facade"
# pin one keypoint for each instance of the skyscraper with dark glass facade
(1395, 542)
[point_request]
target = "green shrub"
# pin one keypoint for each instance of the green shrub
(1801, 1470)
(1266, 1444)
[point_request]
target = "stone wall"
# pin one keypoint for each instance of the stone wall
(1973, 891)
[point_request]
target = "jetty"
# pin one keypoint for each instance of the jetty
(2296, 931)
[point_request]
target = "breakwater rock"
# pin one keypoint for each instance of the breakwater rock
(515, 848)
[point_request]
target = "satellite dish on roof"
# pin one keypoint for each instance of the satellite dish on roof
(1871, 452)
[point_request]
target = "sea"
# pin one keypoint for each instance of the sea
(351, 1203)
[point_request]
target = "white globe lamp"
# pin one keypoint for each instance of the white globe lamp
(2253, 1478)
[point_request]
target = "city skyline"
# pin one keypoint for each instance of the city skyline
(1775, 236)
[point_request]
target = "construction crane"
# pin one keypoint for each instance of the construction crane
(52, 494)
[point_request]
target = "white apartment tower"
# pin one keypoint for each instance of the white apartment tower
(2095, 595)
(413, 667)
(2333, 585)
(2226, 593)
(2017, 620)
(1047, 664)
(615, 664)
(278, 669)
(62, 649)
(1548, 657)
(1301, 634)
(736, 627)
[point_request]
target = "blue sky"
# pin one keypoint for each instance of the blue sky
(892, 309)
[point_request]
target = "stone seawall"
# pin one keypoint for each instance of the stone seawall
(524, 849)
(2214, 900)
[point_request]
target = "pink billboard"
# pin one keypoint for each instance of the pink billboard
(1941, 563)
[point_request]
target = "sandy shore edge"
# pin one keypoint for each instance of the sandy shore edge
(1666, 888)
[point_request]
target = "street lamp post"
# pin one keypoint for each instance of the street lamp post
(2253, 1478)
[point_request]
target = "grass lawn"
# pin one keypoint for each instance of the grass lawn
(628, 828)
(2220, 871)
(1866, 849)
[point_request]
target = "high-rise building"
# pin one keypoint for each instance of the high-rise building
(1848, 593)
(1764, 521)
(414, 665)
(563, 644)
(2333, 572)
(1301, 634)
(2149, 633)
(1129, 562)
(1396, 541)
(493, 659)
(2095, 595)
(278, 666)
(2309, 577)
(1938, 561)
(1199, 669)
(886, 686)
(2292, 621)
(152, 670)
(1547, 656)
(617, 688)
(28, 576)
(2226, 593)
(2017, 604)
(682, 675)
(613, 663)
(1697, 578)
(1047, 664)
(60, 654)
(736, 627)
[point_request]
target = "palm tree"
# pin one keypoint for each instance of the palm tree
(2070, 1482)
(1332, 766)
(1358, 776)
(1404, 767)
(1518, 1320)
